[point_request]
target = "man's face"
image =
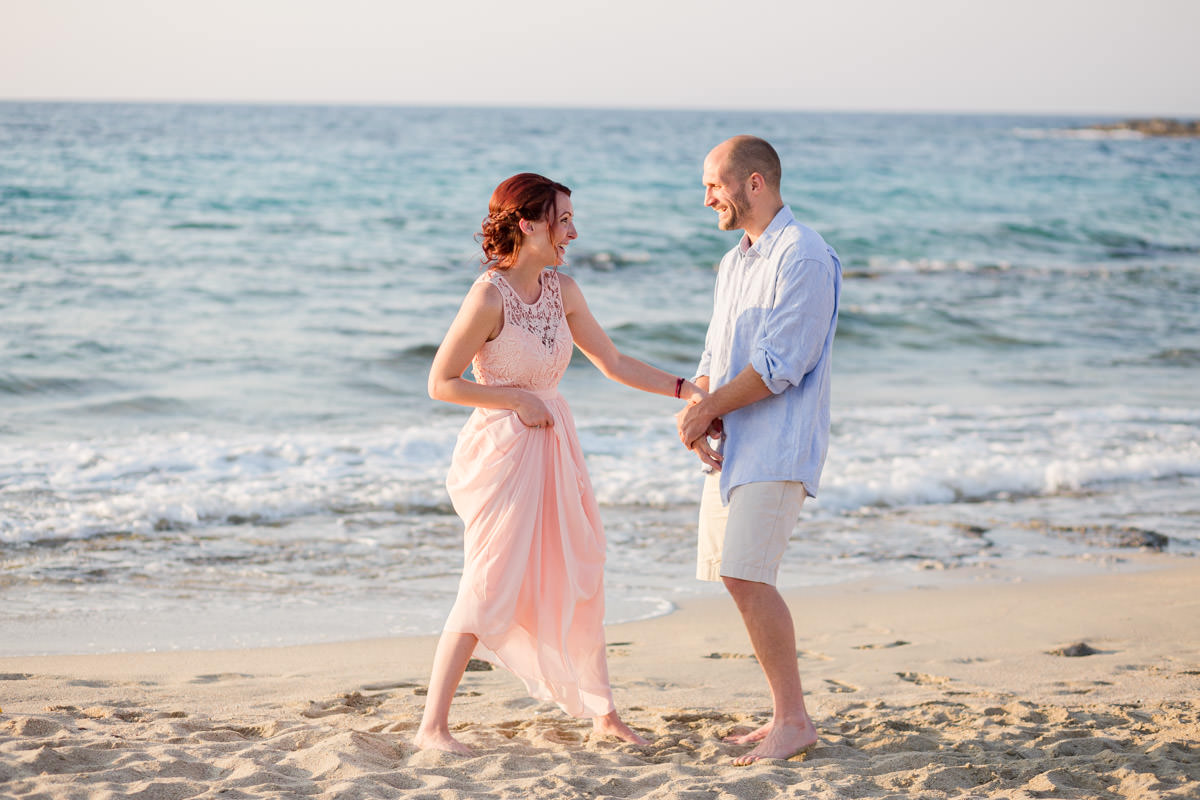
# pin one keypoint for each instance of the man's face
(724, 194)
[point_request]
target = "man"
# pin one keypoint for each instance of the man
(766, 363)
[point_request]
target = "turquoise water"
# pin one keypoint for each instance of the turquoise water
(216, 322)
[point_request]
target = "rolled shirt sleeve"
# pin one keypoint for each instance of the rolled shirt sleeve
(794, 331)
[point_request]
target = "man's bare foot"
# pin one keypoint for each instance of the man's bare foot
(611, 725)
(441, 740)
(782, 741)
(751, 737)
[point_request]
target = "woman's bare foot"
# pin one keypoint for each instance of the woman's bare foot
(611, 725)
(781, 741)
(441, 740)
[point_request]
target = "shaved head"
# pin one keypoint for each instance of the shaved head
(746, 155)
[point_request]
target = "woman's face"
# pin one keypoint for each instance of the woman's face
(554, 234)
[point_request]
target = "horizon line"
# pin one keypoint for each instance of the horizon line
(465, 106)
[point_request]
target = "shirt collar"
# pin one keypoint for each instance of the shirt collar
(781, 221)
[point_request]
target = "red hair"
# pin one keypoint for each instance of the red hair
(525, 196)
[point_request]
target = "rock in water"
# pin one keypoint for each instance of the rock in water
(1153, 127)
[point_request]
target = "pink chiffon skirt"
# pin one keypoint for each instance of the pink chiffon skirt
(532, 586)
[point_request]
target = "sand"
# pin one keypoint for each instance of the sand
(957, 686)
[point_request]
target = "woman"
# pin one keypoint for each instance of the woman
(531, 597)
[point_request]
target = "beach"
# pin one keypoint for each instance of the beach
(1001, 682)
(226, 545)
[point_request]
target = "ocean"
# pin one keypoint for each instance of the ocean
(216, 323)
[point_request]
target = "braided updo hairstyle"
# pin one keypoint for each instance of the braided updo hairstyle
(527, 196)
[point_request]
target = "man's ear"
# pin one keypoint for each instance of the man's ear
(757, 182)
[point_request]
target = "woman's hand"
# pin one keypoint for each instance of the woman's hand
(533, 411)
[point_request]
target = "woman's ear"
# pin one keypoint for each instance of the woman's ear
(526, 226)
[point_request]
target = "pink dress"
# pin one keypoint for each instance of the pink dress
(532, 586)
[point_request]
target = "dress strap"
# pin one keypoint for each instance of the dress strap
(495, 279)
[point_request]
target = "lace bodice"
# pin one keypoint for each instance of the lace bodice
(534, 347)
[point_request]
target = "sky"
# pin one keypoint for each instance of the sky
(1101, 57)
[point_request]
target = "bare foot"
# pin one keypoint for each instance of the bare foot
(751, 737)
(781, 741)
(441, 740)
(611, 725)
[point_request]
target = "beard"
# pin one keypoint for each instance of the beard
(734, 217)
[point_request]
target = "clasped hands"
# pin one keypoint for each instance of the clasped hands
(696, 425)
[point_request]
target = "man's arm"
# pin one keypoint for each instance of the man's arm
(792, 340)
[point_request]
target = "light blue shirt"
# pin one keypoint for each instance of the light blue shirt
(776, 308)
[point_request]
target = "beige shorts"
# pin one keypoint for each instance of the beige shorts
(746, 538)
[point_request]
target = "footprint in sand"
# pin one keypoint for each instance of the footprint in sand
(114, 711)
(218, 677)
(86, 684)
(1152, 668)
(353, 703)
(557, 735)
(813, 654)
(520, 703)
(839, 686)
(897, 643)
(254, 731)
(511, 730)
(1079, 687)
(731, 655)
(693, 718)
(423, 691)
(921, 679)
(383, 687)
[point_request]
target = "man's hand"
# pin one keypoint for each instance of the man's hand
(694, 422)
(705, 452)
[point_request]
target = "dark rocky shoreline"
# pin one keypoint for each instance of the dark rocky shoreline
(1157, 126)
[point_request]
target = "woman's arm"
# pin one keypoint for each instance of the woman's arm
(591, 339)
(479, 319)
